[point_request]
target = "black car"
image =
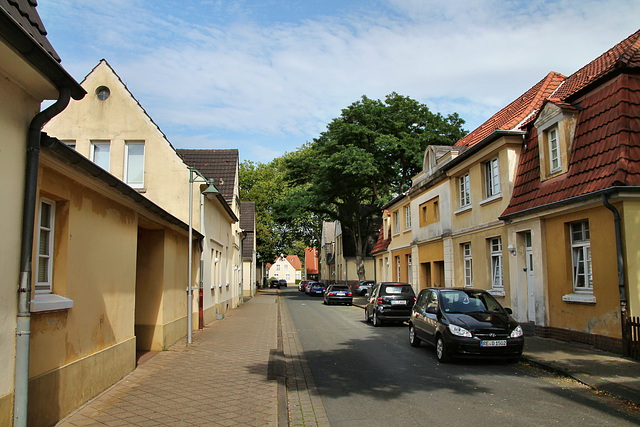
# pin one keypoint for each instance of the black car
(389, 301)
(283, 283)
(462, 322)
(273, 283)
(338, 294)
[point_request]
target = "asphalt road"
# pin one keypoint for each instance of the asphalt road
(371, 376)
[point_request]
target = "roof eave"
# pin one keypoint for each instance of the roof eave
(34, 53)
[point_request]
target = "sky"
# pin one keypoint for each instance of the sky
(267, 76)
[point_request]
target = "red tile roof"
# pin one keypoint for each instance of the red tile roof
(517, 114)
(605, 151)
(294, 261)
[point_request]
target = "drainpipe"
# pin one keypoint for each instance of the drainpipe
(23, 321)
(621, 283)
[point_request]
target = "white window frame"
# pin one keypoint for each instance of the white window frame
(407, 212)
(397, 222)
(582, 267)
(409, 272)
(492, 178)
(497, 277)
(398, 268)
(468, 265)
(127, 145)
(107, 144)
(45, 286)
(555, 159)
(464, 191)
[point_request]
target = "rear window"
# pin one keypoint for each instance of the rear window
(340, 288)
(402, 290)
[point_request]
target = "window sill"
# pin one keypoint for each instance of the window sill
(491, 199)
(579, 298)
(462, 210)
(496, 292)
(50, 302)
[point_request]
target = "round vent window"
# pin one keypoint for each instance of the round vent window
(103, 93)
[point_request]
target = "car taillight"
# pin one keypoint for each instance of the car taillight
(330, 293)
(379, 300)
(349, 294)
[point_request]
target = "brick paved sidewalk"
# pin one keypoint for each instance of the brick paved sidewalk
(224, 378)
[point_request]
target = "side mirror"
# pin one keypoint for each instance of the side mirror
(508, 310)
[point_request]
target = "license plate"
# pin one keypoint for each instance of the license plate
(493, 343)
(398, 302)
(340, 294)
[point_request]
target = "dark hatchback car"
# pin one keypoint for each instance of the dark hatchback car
(315, 288)
(340, 294)
(389, 302)
(465, 323)
(273, 283)
(283, 283)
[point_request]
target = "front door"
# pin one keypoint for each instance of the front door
(531, 294)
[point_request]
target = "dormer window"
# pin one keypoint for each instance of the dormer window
(556, 127)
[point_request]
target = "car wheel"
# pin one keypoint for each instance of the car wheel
(376, 321)
(441, 351)
(413, 339)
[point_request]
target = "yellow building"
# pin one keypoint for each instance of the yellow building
(575, 203)
(30, 73)
(339, 263)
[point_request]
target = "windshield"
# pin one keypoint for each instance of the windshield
(397, 290)
(469, 302)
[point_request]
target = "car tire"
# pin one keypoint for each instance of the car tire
(413, 338)
(367, 319)
(442, 353)
(376, 321)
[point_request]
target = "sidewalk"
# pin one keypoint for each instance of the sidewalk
(599, 370)
(228, 376)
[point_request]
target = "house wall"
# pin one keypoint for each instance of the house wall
(21, 91)
(78, 352)
(603, 317)
(119, 119)
(631, 241)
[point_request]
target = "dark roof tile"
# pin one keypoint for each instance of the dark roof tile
(219, 165)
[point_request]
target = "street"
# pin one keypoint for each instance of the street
(371, 376)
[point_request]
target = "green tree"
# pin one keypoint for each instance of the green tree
(365, 157)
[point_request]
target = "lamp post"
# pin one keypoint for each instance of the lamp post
(194, 176)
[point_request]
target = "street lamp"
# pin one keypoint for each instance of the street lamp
(194, 176)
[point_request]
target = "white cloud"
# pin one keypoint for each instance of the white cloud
(226, 71)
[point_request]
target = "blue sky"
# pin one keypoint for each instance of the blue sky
(265, 76)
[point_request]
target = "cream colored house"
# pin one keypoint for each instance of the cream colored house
(338, 257)
(30, 72)
(287, 267)
(111, 128)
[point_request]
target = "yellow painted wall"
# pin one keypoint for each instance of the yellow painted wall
(17, 109)
(602, 318)
(631, 230)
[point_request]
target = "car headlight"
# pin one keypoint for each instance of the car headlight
(517, 332)
(461, 332)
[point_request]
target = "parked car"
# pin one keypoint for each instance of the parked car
(283, 283)
(338, 294)
(273, 283)
(465, 323)
(302, 285)
(363, 288)
(315, 288)
(389, 302)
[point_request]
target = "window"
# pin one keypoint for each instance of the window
(277, 267)
(555, 162)
(409, 272)
(496, 263)
(425, 216)
(286, 266)
(465, 193)
(407, 214)
(103, 93)
(468, 264)
(100, 154)
(492, 178)
(581, 257)
(134, 164)
(436, 211)
(398, 268)
(44, 264)
(396, 219)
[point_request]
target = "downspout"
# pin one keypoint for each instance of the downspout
(244, 236)
(23, 321)
(621, 283)
(201, 284)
